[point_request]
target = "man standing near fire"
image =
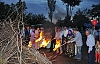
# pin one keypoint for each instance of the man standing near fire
(91, 47)
(79, 43)
(53, 41)
(58, 37)
(64, 38)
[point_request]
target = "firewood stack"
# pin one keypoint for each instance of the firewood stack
(11, 49)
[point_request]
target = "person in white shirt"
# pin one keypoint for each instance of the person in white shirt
(65, 31)
(64, 38)
(91, 47)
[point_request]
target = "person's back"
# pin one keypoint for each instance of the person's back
(79, 41)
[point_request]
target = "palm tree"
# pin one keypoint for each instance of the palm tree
(51, 5)
(69, 6)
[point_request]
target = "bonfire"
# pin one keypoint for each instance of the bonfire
(57, 45)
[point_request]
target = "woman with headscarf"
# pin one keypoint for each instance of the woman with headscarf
(70, 46)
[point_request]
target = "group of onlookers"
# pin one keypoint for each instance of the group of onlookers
(70, 41)
(95, 32)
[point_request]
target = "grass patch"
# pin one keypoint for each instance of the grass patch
(2, 61)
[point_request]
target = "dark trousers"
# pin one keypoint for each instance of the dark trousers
(64, 46)
(91, 56)
(52, 43)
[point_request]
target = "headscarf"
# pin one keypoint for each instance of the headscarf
(71, 33)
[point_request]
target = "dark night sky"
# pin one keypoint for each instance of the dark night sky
(41, 7)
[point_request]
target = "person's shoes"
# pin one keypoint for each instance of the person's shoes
(65, 53)
(70, 56)
(60, 52)
(78, 59)
(95, 60)
(98, 61)
(74, 58)
(56, 53)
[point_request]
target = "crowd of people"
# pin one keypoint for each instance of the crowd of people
(69, 41)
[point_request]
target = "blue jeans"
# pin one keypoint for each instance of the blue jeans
(79, 54)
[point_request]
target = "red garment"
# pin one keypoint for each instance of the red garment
(97, 55)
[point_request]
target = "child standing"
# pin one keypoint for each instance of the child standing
(97, 51)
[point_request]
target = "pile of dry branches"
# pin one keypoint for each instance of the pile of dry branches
(11, 49)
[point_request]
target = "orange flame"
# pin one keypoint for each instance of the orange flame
(45, 42)
(57, 45)
(39, 39)
(30, 44)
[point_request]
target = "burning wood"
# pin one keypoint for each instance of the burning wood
(45, 42)
(30, 44)
(39, 39)
(57, 45)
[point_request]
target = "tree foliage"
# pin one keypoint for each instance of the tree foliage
(72, 2)
(51, 5)
(21, 6)
(17, 10)
(95, 11)
(12, 11)
(33, 19)
(4, 8)
(80, 18)
(69, 7)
